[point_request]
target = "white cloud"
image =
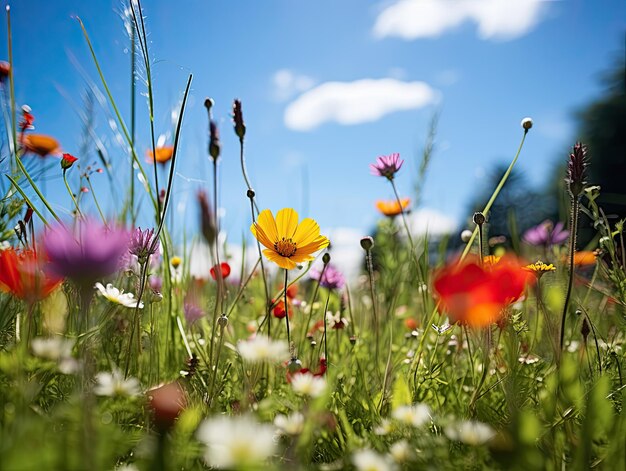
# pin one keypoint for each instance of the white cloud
(356, 102)
(432, 222)
(495, 19)
(287, 83)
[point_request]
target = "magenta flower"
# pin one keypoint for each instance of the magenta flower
(143, 244)
(331, 278)
(387, 166)
(546, 234)
(193, 312)
(86, 255)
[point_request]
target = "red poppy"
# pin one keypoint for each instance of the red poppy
(21, 274)
(321, 370)
(279, 309)
(292, 291)
(474, 294)
(225, 269)
(410, 323)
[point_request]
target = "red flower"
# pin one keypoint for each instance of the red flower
(225, 269)
(22, 275)
(67, 161)
(474, 294)
(292, 291)
(279, 309)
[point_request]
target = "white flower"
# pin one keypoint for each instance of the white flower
(335, 321)
(401, 451)
(369, 460)
(4, 245)
(385, 428)
(260, 348)
(236, 442)
(53, 348)
(415, 415)
(306, 384)
(292, 424)
(114, 384)
(470, 432)
(118, 297)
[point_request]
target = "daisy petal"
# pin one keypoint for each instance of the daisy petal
(267, 223)
(308, 230)
(282, 262)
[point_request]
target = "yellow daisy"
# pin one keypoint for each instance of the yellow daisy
(288, 243)
(539, 268)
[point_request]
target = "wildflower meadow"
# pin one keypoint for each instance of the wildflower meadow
(471, 350)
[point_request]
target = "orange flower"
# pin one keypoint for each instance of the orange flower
(21, 274)
(163, 154)
(476, 295)
(392, 208)
(41, 144)
(584, 258)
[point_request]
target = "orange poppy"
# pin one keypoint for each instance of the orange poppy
(41, 145)
(584, 258)
(163, 154)
(21, 274)
(392, 208)
(476, 294)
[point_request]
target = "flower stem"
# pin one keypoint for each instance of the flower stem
(96, 201)
(404, 221)
(572, 250)
(70, 193)
(291, 348)
(370, 271)
(268, 302)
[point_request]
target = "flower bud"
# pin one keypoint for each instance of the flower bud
(207, 221)
(250, 193)
(240, 127)
(214, 140)
(527, 123)
(222, 321)
(294, 365)
(478, 218)
(326, 258)
(367, 243)
(167, 402)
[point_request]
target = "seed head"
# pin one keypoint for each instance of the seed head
(240, 127)
(577, 170)
(207, 220)
(527, 123)
(214, 140)
(479, 218)
(367, 243)
(326, 258)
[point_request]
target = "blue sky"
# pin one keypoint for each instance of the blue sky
(483, 65)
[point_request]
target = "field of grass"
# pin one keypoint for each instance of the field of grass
(495, 354)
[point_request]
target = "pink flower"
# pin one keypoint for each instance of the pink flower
(387, 166)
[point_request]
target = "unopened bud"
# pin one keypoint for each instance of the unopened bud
(207, 221)
(214, 140)
(222, 321)
(367, 243)
(250, 193)
(240, 127)
(527, 123)
(294, 365)
(67, 161)
(326, 258)
(352, 339)
(208, 104)
(479, 218)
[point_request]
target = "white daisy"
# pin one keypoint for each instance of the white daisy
(52, 348)
(369, 460)
(118, 296)
(415, 415)
(470, 432)
(236, 442)
(291, 424)
(114, 384)
(306, 384)
(260, 349)
(401, 451)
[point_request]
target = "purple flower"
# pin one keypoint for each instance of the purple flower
(143, 244)
(85, 255)
(546, 234)
(331, 278)
(193, 312)
(387, 166)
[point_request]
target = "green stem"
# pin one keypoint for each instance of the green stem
(570, 282)
(291, 348)
(70, 192)
(14, 157)
(370, 271)
(96, 201)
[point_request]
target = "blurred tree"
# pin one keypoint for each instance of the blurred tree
(602, 126)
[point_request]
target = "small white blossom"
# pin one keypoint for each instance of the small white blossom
(384, 428)
(117, 296)
(415, 415)
(306, 384)
(401, 451)
(114, 384)
(53, 348)
(369, 460)
(291, 424)
(236, 442)
(470, 432)
(335, 321)
(260, 349)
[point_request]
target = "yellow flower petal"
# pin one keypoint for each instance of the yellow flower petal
(308, 230)
(286, 223)
(282, 262)
(266, 222)
(261, 236)
(318, 244)
(301, 257)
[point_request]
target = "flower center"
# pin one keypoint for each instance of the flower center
(285, 247)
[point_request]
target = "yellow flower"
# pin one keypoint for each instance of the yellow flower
(41, 144)
(539, 268)
(392, 208)
(491, 260)
(288, 242)
(175, 261)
